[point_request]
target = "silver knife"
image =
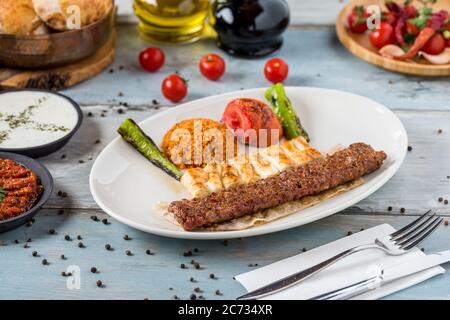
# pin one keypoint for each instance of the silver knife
(387, 275)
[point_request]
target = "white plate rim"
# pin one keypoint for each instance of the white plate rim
(181, 234)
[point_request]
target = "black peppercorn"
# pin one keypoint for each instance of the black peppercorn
(63, 257)
(402, 210)
(148, 252)
(187, 254)
(128, 253)
(99, 283)
(79, 237)
(108, 247)
(212, 276)
(80, 245)
(34, 254)
(51, 231)
(126, 237)
(45, 262)
(67, 237)
(94, 270)
(183, 266)
(389, 208)
(193, 297)
(410, 148)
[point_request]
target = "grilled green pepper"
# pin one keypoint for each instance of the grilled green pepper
(282, 107)
(134, 135)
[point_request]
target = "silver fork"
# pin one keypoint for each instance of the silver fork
(395, 244)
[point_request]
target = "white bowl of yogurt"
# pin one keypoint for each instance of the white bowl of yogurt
(36, 123)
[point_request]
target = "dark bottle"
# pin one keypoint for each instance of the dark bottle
(250, 28)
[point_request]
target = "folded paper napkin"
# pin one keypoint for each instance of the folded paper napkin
(352, 269)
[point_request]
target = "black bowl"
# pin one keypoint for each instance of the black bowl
(46, 149)
(46, 181)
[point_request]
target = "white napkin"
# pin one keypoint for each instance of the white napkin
(354, 268)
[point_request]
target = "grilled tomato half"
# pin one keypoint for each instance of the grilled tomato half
(253, 122)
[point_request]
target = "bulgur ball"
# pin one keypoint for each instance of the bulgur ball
(197, 142)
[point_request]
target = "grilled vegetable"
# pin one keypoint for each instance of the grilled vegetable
(134, 135)
(282, 107)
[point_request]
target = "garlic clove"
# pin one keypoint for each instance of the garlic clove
(391, 51)
(442, 58)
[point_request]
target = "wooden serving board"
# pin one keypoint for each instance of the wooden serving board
(61, 77)
(360, 46)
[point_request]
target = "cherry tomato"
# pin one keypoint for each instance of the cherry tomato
(212, 66)
(435, 45)
(276, 70)
(411, 28)
(174, 88)
(152, 59)
(382, 36)
(357, 19)
(448, 43)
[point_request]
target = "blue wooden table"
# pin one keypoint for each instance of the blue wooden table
(316, 59)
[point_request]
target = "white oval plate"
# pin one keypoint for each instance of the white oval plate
(127, 186)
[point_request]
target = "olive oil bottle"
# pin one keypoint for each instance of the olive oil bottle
(171, 21)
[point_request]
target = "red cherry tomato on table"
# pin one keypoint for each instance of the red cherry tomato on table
(276, 70)
(212, 66)
(152, 59)
(174, 88)
(382, 36)
(357, 19)
(435, 45)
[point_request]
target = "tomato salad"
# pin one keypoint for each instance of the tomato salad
(406, 32)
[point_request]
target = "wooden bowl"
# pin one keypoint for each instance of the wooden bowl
(360, 46)
(55, 49)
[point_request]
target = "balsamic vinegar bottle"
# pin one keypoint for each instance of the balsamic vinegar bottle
(250, 28)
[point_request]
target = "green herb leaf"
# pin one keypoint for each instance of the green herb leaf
(424, 15)
(2, 194)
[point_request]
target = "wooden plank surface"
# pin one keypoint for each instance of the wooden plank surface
(151, 276)
(316, 59)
